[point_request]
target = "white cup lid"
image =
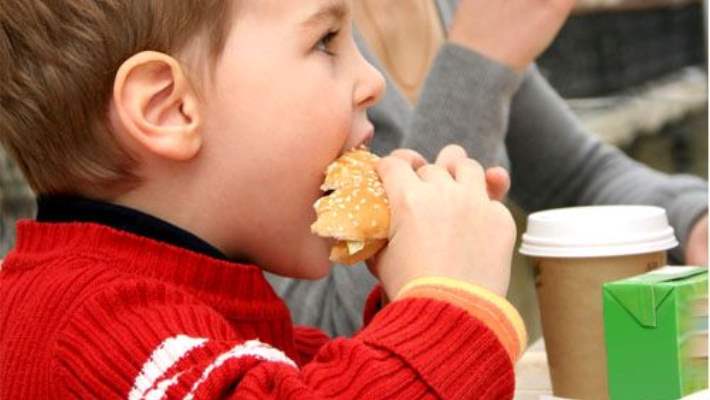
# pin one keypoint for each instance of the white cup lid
(598, 231)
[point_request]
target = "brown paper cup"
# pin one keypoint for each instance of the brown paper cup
(576, 251)
(569, 293)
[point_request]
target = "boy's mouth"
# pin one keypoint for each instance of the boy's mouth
(360, 140)
(367, 140)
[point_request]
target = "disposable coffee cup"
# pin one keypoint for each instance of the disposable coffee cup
(575, 251)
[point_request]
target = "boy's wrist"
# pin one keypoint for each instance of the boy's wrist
(493, 310)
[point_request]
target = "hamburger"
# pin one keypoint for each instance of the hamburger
(355, 210)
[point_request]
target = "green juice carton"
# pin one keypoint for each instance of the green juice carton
(655, 329)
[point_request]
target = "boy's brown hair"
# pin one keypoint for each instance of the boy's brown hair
(58, 61)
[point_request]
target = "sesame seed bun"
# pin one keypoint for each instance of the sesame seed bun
(357, 212)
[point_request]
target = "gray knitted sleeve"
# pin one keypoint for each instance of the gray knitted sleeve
(557, 163)
(554, 160)
(465, 100)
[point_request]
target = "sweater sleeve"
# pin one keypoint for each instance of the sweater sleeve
(149, 341)
(491, 309)
(308, 341)
(556, 162)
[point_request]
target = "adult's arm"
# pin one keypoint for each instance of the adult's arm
(554, 160)
(557, 162)
(465, 100)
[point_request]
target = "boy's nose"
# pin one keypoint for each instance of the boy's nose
(370, 85)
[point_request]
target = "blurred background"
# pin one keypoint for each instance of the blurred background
(635, 72)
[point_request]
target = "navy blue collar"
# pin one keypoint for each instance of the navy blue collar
(78, 209)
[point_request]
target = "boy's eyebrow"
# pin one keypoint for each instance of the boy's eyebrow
(331, 10)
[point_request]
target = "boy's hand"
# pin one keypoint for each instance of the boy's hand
(443, 223)
(512, 32)
(497, 183)
(497, 178)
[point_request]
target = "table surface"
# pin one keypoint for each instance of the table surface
(532, 375)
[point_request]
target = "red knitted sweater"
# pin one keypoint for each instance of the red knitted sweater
(91, 312)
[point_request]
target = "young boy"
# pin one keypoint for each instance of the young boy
(177, 149)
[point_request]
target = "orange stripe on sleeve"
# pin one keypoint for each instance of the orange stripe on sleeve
(493, 310)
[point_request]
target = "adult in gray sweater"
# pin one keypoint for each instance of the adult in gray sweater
(481, 93)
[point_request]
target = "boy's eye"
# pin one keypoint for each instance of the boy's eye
(324, 43)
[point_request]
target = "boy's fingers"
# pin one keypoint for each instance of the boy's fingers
(449, 156)
(434, 172)
(397, 174)
(470, 172)
(415, 159)
(497, 182)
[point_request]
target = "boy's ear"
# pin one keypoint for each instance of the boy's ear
(157, 106)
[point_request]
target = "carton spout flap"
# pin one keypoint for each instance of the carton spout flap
(641, 295)
(640, 301)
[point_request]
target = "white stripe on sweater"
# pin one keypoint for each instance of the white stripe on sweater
(251, 348)
(162, 387)
(164, 357)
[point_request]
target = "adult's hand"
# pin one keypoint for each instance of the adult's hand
(696, 251)
(512, 32)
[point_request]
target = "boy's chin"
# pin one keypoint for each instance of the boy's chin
(313, 267)
(313, 270)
